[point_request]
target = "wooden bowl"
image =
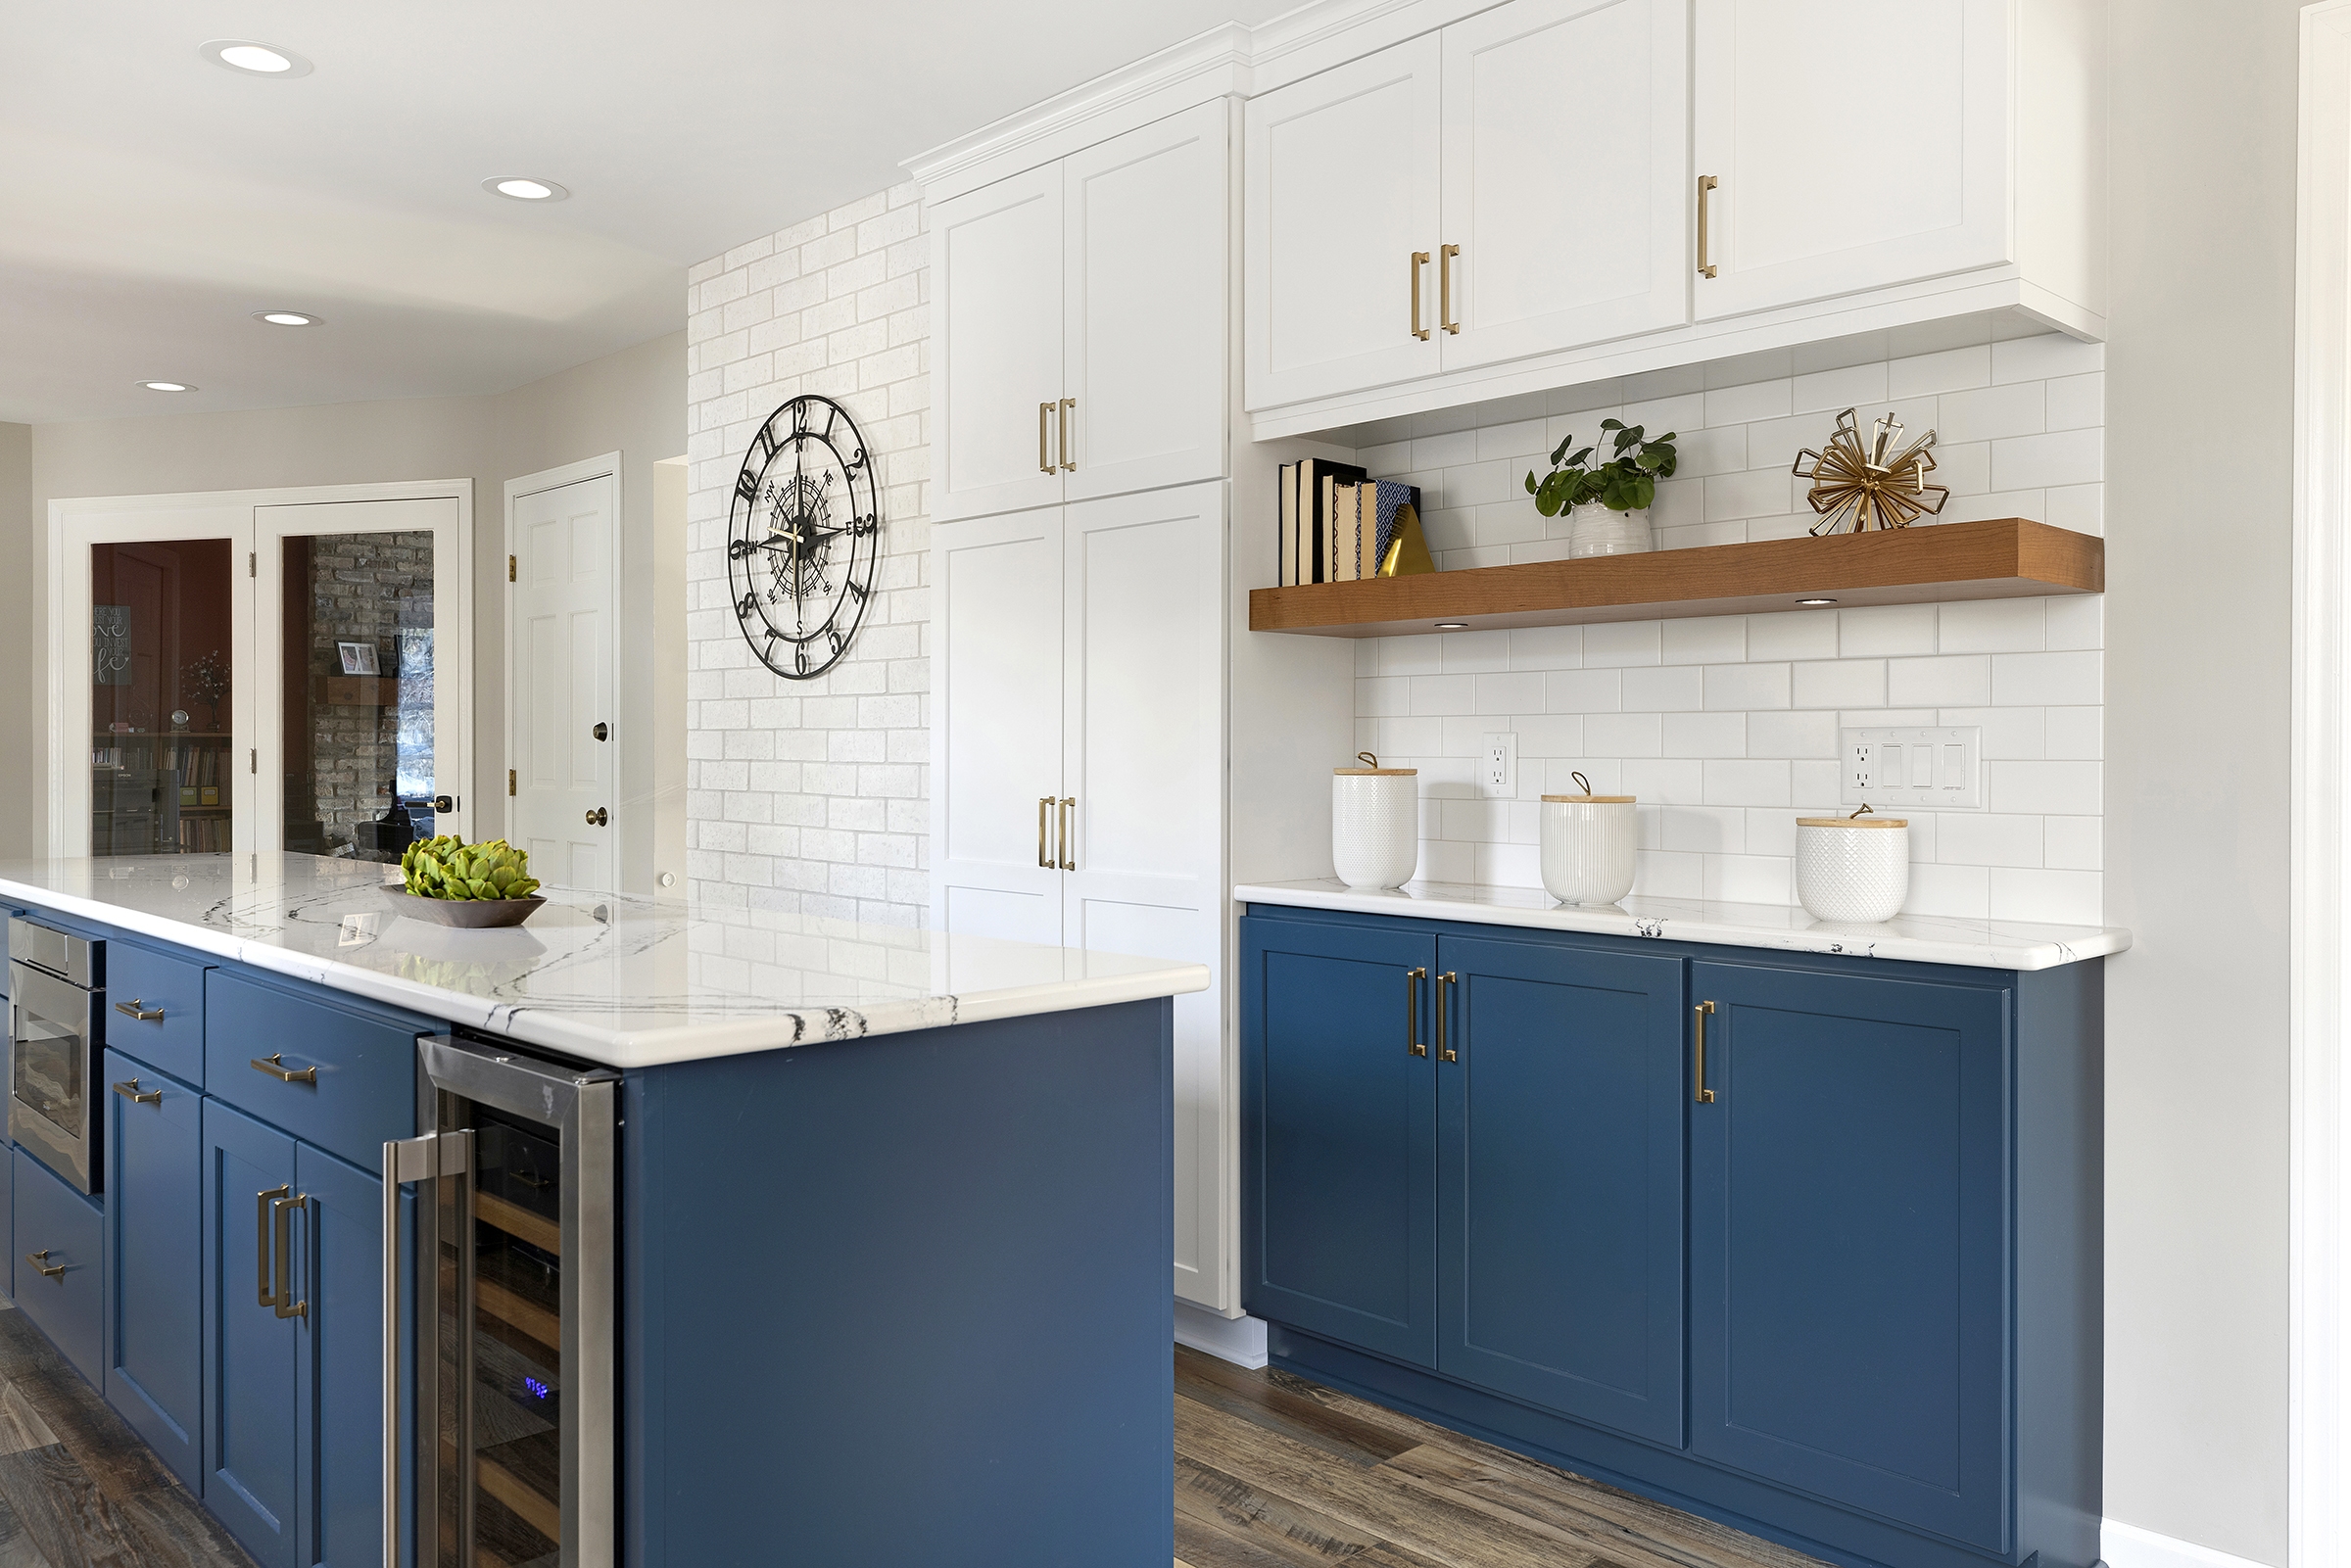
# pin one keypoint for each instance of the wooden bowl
(471, 913)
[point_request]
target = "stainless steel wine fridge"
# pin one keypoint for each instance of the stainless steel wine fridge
(513, 1382)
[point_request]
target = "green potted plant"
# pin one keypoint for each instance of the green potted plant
(1607, 501)
(449, 881)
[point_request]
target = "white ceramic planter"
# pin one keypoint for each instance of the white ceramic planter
(1375, 825)
(1587, 849)
(1853, 870)
(1598, 530)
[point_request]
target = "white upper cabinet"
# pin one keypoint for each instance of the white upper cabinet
(1565, 155)
(1342, 227)
(1080, 335)
(1853, 145)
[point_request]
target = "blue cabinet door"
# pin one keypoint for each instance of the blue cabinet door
(250, 1409)
(338, 1261)
(1849, 1279)
(1560, 1128)
(154, 1256)
(1339, 1133)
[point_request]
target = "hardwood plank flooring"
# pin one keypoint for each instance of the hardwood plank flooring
(1273, 1471)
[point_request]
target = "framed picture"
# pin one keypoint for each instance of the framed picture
(358, 658)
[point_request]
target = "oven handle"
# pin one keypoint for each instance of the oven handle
(419, 1160)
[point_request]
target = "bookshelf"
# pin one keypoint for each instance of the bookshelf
(148, 791)
(2007, 557)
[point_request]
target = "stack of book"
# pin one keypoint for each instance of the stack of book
(1340, 525)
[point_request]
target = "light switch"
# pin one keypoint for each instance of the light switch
(1918, 770)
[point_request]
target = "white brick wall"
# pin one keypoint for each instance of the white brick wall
(1726, 727)
(810, 796)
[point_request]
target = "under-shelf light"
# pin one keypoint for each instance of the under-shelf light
(1811, 602)
(1453, 626)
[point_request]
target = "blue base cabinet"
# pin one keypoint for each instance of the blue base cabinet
(250, 1422)
(1866, 1325)
(154, 1252)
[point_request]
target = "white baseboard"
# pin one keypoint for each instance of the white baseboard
(1238, 1340)
(2128, 1546)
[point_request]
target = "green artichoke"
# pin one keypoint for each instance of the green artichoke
(448, 868)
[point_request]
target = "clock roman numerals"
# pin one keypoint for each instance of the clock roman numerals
(804, 537)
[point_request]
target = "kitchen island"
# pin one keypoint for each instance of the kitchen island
(805, 1241)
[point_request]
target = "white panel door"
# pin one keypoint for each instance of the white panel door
(996, 656)
(561, 619)
(1341, 192)
(1145, 273)
(1565, 149)
(1820, 193)
(1143, 758)
(998, 297)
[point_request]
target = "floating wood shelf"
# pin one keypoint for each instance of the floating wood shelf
(2003, 558)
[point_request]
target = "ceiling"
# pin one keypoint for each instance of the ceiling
(151, 200)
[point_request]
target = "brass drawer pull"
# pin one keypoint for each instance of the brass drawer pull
(1412, 1011)
(1419, 260)
(260, 1242)
(1445, 1052)
(1069, 859)
(1044, 809)
(276, 1067)
(1703, 1011)
(137, 1096)
(284, 1210)
(46, 1269)
(1445, 255)
(1044, 426)
(1068, 464)
(137, 1009)
(1706, 267)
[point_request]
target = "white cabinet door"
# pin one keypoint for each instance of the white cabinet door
(1565, 149)
(1144, 272)
(1341, 191)
(996, 656)
(997, 257)
(1143, 756)
(1855, 145)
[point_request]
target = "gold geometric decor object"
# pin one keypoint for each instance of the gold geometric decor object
(1408, 553)
(1856, 484)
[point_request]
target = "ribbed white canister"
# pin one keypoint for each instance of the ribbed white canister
(1374, 824)
(1854, 870)
(1587, 848)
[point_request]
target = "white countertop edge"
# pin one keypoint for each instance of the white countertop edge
(2002, 944)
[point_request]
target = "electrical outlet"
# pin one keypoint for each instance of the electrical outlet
(1497, 765)
(1921, 770)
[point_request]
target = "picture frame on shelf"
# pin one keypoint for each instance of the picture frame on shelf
(358, 658)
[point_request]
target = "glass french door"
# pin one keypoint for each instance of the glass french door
(161, 661)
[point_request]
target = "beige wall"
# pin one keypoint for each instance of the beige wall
(632, 401)
(2199, 450)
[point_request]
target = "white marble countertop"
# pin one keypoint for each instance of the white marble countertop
(623, 981)
(1921, 938)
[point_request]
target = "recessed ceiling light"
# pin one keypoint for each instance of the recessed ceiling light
(166, 386)
(1812, 601)
(1453, 626)
(286, 319)
(250, 59)
(524, 188)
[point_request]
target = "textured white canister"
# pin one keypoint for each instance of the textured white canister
(1376, 825)
(1597, 530)
(1853, 868)
(1587, 847)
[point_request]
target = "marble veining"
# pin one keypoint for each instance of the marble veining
(624, 980)
(1918, 938)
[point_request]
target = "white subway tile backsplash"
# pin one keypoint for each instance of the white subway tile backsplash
(2051, 788)
(1704, 735)
(1704, 639)
(1964, 677)
(1755, 493)
(1539, 647)
(1886, 628)
(1980, 839)
(1994, 626)
(1745, 404)
(1986, 413)
(1840, 684)
(1624, 735)
(2075, 843)
(2021, 679)
(1583, 691)
(1475, 652)
(2062, 458)
(1671, 689)
(1703, 830)
(1844, 387)
(1621, 643)
(1441, 694)
(1664, 782)
(1750, 782)
(1788, 735)
(1950, 370)
(2043, 356)
(1747, 686)
(1793, 635)
(1519, 692)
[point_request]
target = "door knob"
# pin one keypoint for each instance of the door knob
(601, 733)
(598, 817)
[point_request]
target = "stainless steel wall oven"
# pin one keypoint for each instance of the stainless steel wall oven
(55, 1001)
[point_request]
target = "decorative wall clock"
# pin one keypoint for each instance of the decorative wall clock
(802, 538)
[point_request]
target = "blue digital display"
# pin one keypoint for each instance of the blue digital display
(536, 1388)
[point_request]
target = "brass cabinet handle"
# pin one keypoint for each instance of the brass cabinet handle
(1044, 427)
(1412, 1009)
(283, 1208)
(1044, 809)
(1069, 405)
(1445, 255)
(1445, 1052)
(1706, 267)
(137, 1009)
(261, 1241)
(1069, 860)
(1703, 1011)
(43, 1267)
(1419, 260)
(136, 1096)
(276, 1067)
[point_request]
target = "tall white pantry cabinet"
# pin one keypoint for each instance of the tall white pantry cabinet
(1104, 757)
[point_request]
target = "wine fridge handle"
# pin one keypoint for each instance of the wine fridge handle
(405, 1160)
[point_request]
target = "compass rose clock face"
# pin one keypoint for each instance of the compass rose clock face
(802, 538)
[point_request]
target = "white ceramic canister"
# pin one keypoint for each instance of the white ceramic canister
(1374, 824)
(1598, 530)
(1587, 846)
(1854, 870)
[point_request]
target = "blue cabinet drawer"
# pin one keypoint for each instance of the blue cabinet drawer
(328, 1069)
(58, 1229)
(155, 1009)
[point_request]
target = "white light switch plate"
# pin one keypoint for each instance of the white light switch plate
(1921, 770)
(1497, 764)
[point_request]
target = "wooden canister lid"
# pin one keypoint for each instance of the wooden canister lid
(1852, 821)
(1596, 801)
(1373, 769)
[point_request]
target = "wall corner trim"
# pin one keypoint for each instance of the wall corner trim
(2130, 1546)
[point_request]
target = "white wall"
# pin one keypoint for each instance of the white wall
(811, 796)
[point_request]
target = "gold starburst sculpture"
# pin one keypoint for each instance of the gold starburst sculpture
(1855, 485)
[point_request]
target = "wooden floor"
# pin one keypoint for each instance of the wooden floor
(1272, 1471)
(77, 1489)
